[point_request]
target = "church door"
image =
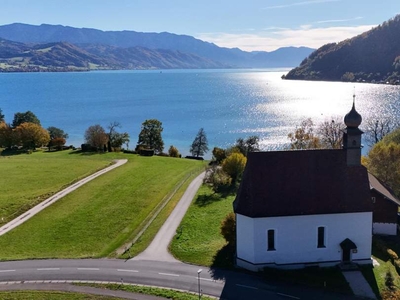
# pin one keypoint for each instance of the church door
(346, 255)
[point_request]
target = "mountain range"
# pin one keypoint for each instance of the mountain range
(58, 47)
(373, 56)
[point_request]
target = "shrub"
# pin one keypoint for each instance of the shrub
(217, 179)
(234, 165)
(228, 228)
(194, 157)
(396, 264)
(146, 152)
(173, 151)
(219, 154)
(393, 255)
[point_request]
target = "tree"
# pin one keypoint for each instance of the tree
(250, 144)
(219, 154)
(26, 117)
(304, 137)
(57, 137)
(57, 133)
(200, 144)
(96, 136)
(118, 139)
(58, 143)
(111, 132)
(384, 162)
(8, 136)
(234, 165)
(377, 129)
(173, 152)
(331, 133)
(393, 136)
(32, 135)
(1, 116)
(150, 135)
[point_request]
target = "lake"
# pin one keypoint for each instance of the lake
(228, 104)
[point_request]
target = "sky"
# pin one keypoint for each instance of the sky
(251, 25)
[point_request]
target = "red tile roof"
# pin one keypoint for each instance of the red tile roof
(308, 182)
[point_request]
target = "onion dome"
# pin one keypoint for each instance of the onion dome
(353, 118)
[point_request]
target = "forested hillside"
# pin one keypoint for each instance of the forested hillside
(373, 56)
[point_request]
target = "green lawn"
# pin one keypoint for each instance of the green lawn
(200, 241)
(99, 217)
(51, 295)
(28, 179)
(378, 275)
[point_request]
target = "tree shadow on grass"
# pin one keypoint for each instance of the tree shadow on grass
(223, 260)
(206, 199)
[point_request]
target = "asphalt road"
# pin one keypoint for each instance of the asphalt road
(219, 283)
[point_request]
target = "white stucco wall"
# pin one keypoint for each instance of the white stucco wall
(385, 228)
(296, 238)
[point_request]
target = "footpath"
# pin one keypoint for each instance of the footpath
(358, 284)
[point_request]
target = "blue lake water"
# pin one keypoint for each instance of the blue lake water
(228, 104)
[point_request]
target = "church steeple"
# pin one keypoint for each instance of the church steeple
(352, 136)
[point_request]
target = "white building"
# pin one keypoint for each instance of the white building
(310, 207)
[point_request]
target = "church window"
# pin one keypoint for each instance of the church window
(321, 237)
(271, 240)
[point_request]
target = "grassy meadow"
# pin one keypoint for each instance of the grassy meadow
(26, 180)
(102, 215)
(200, 241)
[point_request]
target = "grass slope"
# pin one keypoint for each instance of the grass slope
(99, 217)
(28, 179)
(200, 241)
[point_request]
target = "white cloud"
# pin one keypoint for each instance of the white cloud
(271, 40)
(311, 2)
(338, 20)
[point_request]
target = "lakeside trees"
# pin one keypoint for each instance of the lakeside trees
(328, 135)
(200, 144)
(26, 117)
(150, 135)
(27, 133)
(96, 137)
(32, 135)
(1, 116)
(116, 139)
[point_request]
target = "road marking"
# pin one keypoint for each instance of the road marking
(206, 279)
(167, 274)
(288, 296)
(248, 287)
(48, 269)
(3, 271)
(89, 269)
(132, 271)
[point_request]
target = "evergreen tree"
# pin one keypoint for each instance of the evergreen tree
(200, 144)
